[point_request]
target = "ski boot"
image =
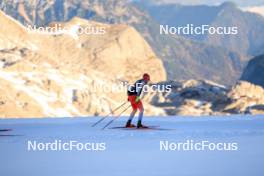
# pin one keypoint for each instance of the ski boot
(139, 125)
(129, 125)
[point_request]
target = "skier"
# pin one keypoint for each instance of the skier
(134, 98)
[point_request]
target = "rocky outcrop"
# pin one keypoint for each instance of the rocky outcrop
(254, 72)
(246, 98)
(197, 98)
(191, 97)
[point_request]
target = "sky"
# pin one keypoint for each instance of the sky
(241, 3)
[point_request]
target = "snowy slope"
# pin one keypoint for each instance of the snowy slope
(134, 152)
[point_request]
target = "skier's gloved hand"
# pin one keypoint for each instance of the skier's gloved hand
(137, 99)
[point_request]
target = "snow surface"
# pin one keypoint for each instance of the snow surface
(133, 152)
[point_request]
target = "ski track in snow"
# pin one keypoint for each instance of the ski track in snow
(134, 152)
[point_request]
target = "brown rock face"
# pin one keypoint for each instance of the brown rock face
(68, 73)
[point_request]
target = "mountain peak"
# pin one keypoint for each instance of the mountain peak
(228, 5)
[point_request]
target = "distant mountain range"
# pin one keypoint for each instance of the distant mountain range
(248, 41)
(220, 59)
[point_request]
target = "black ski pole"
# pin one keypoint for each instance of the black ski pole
(115, 118)
(109, 114)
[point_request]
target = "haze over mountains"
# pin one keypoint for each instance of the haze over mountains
(241, 3)
(255, 9)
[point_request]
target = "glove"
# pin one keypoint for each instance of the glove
(137, 99)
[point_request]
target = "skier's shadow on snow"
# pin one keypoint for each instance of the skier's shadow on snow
(3, 131)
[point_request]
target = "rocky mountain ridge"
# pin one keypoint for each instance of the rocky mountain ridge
(62, 74)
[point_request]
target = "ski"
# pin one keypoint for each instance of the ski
(123, 127)
(146, 128)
